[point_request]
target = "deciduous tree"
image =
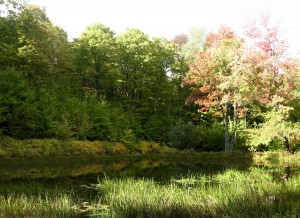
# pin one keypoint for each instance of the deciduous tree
(274, 75)
(43, 48)
(96, 59)
(219, 79)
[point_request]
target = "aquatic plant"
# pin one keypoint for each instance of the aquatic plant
(227, 194)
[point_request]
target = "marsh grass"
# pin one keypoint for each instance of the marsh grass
(32, 148)
(40, 148)
(229, 194)
(36, 200)
(40, 206)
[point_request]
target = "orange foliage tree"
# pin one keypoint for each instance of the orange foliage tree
(218, 78)
(233, 73)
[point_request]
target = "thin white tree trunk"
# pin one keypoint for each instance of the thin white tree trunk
(227, 144)
(233, 140)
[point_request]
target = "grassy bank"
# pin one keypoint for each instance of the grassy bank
(230, 194)
(40, 148)
(13, 148)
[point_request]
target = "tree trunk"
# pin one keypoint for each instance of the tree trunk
(286, 145)
(233, 140)
(227, 145)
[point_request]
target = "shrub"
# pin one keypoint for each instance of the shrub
(212, 138)
(185, 136)
(114, 148)
(157, 128)
(144, 147)
(63, 131)
(128, 137)
(2, 153)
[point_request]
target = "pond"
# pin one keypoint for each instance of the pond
(53, 187)
(74, 173)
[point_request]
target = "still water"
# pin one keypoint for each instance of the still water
(75, 173)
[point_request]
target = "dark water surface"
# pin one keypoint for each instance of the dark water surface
(74, 173)
(156, 167)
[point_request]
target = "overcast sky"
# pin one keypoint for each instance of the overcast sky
(170, 17)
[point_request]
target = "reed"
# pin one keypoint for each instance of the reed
(37, 206)
(227, 194)
(37, 200)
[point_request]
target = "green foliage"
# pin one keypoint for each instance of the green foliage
(131, 87)
(184, 136)
(211, 137)
(101, 124)
(95, 55)
(98, 87)
(157, 128)
(44, 50)
(109, 122)
(128, 137)
(275, 127)
(201, 138)
(76, 118)
(8, 42)
(18, 116)
(295, 114)
(63, 130)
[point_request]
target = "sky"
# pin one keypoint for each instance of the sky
(167, 18)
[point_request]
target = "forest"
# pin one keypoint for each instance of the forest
(209, 91)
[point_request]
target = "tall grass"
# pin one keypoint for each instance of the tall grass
(32, 148)
(41, 206)
(36, 200)
(230, 194)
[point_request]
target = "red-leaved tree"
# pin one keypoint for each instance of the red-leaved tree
(218, 79)
(274, 75)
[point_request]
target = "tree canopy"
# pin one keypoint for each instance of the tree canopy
(186, 92)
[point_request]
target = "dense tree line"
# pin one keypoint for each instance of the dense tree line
(130, 87)
(98, 87)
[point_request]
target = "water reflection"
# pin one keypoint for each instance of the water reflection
(150, 167)
(72, 174)
(159, 168)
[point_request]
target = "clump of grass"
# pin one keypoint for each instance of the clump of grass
(146, 147)
(36, 200)
(115, 148)
(85, 147)
(42, 206)
(229, 194)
